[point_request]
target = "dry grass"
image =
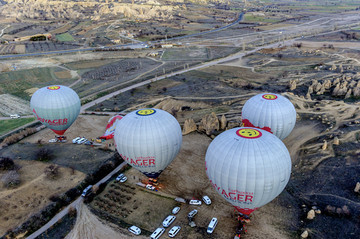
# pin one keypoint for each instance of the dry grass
(63, 74)
(17, 204)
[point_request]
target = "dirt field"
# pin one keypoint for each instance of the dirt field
(10, 104)
(89, 226)
(17, 204)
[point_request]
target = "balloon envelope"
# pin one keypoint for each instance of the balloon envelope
(57, 107)
(271, 112)
(248, 167)
(148, 140)
(110, 127)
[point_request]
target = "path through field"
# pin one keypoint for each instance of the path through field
(89, 226)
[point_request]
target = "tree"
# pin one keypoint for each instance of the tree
(52, 171)
(44, 154)
(11, 179)
(6, 163)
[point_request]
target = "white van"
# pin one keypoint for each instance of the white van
(157, 233)
(212, 225)
(168, 220)
(15, 116)
(87, 191)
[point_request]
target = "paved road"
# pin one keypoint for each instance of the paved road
(204, 65)
(74, 204)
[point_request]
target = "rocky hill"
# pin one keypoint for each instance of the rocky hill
(96, 9)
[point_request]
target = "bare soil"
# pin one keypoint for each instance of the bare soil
(17, 204)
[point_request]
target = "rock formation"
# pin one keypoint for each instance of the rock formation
(348, 94)
(357, 187)
(305, 234)
(324, 147)
(209, 123)
(223, 122)
(292, 84)
(311, 214)
(189, 126)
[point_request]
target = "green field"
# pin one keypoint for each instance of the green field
(252, 18)
(10, 124)
(16, 82)
(64, 37)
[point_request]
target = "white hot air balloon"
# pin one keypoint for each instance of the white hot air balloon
(248, 167)
(148, 140)
(271, 112)
(57, 107)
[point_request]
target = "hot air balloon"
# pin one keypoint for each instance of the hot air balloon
(148, 140)
(248, 167)
(271, 112)
(110, 127)
(57, 107)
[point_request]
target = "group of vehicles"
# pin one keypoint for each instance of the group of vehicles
(205, 199)
(58, 138)
(83, 140)
(158, 232)
(121, 178)
(14, 116)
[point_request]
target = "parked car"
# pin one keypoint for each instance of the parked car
(15, 116)
(206, 200)
(150, 187)
(212, 225)
(168, 220)
(195, 202)
(123, 179)
(88, 142)
(192, 213)
(52, 140)
(176, 210)
(75, 140)
(81, 141)
(174, 230)
(87, 191)
(121, 175)
(134, 230)
(157, 233)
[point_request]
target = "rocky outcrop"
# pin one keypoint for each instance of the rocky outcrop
(327, 84)
(305, 234)
(346, 86)
(311, 214)
(356, 91)
(95, 10)
(209, 123)
(348, 94)
(324, 146)
(189, 126)
(333, 67)
(338, 211)
(292, 84)
(223, 122)
(357, 187)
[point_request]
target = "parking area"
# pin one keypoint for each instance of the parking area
(148, 208)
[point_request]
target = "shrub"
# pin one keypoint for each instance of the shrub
(6, 163)
(52, 171)
(44, 154)
(72, 212)
(11, 179)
